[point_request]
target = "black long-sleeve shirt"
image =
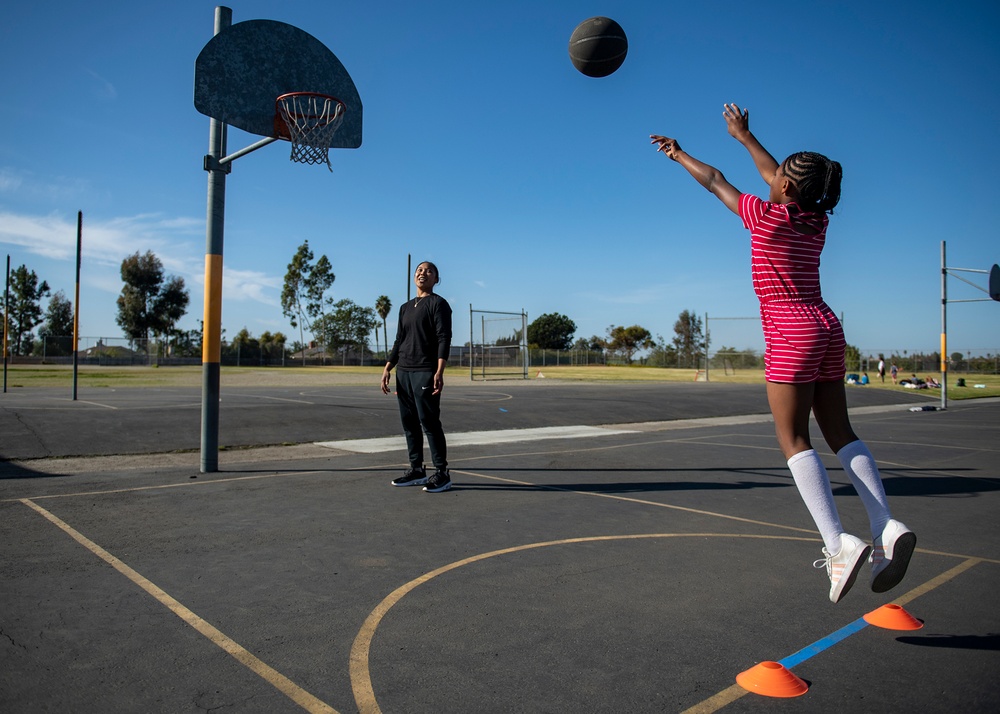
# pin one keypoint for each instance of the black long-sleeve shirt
(423, 335)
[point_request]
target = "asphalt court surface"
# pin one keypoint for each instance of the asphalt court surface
(44, 423)
(637, 568)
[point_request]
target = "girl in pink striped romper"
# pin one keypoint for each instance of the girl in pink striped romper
(804, 348)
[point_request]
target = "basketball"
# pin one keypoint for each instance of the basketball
(598, 46)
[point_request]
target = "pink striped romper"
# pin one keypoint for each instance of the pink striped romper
(803, 339)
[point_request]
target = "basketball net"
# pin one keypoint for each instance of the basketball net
(311, 120)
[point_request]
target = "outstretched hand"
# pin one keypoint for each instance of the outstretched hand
(668, 146)
(737, 120)
(738, 124)
(708, 176)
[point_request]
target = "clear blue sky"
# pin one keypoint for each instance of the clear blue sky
(530, 185)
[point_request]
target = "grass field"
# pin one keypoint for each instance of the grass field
(32, 376)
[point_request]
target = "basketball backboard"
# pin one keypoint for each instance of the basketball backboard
(243, 69)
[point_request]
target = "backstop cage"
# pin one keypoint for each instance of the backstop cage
(498, 344)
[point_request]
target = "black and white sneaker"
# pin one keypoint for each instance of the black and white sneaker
(440, 481)
(412, 477)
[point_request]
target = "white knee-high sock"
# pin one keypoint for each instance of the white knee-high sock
(813, 483)
(860, 466)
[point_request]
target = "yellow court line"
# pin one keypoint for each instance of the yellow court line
(361, 681)
(936, 582)
(735, 691)
(277, 680)
(186, 484)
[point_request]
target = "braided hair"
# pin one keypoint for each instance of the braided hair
(817, 179)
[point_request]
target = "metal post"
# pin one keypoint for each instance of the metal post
(6, 320)
(211, 341)
(707, 340)
(76, 311)
(525, 356)
(944, 329)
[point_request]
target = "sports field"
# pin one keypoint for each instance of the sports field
(26, 376)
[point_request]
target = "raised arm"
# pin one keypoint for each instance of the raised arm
(708, 176)
(738, 124)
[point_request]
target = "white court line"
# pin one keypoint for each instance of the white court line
(502, 436)
(508, 436)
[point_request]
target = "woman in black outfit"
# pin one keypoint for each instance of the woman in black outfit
(420, 354)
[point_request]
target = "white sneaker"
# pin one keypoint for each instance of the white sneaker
(843, 567)
(891, 555)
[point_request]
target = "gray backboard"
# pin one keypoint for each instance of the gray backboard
(243, 69)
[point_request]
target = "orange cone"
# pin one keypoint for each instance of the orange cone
(893, 617)
(771, 679)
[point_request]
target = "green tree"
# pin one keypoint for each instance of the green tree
(170, 305)
(852, 357)
(57, 330)
(626, 341)
(689, 339)
(59, 316)
(25, 309)
(186, 343)
(150, 302)
(245, 347)
(662, 354)
(383, 306)
(514, 340)
(348, 324)
(592, 344)
(551, 332)
(272, 346)
(303, 297)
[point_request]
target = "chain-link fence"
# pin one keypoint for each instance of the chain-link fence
(118, 351)
(108, 351)
(987, 363)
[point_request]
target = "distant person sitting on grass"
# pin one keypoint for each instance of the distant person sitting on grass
(864, 378)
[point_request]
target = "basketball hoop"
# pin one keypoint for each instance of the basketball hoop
(308, 120)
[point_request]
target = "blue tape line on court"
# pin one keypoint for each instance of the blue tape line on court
(829, 641)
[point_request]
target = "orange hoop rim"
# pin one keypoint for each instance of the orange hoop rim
(281, 128)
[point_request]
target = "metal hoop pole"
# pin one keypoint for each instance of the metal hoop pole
(243, 152)
(211, 337)
(944, 329)
(6, 320)
(76, 310)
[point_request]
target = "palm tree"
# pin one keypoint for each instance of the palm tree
(383, 306)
